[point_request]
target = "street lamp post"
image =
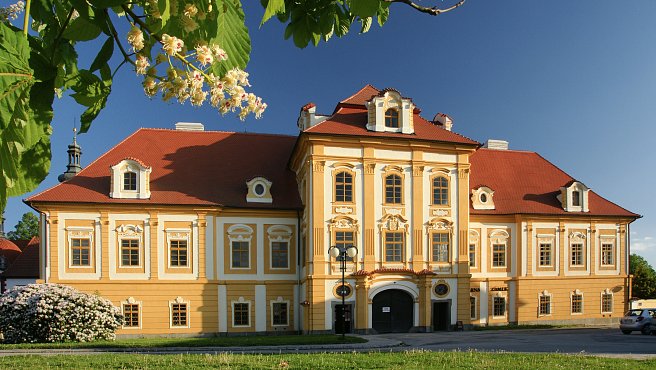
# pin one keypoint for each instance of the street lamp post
(340, 252)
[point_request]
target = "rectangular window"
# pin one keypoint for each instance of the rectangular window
(280, 255)
(499, 306)
(280, 314)
(129, 252)
(545, 305)
(440, 247)
(472, 255)
(545, 254)
(179, 314)
(393, 247)
(343, 240)
(606, 303)
(130, 181)
(241, 255)
(577, 254)
(80, 252)
(440, 191)
(343, 187)
(131, 315)
(240, 314)
(393, 189)
(472, 307)
(498, 255)
(576, 198)
(577, 303)
(607, 254)
(178, 253)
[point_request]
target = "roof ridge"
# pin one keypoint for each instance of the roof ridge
(453, 132)
(215, 132)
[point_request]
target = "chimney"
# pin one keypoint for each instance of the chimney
(308, 117)
(443, 120)
(189, 126)
(496, 144)
(74, 154)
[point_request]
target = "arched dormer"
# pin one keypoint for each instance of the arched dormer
(390, 112)
(130, 179)
(574, 198)
(482, 198)
(259, 190)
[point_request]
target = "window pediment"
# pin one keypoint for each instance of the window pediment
(130, 179)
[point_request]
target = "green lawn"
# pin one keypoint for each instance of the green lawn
(402, 360)
(241, 341)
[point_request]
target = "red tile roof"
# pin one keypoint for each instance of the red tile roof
(26, 265)
(9, 250)
(526, 183)
(190, 168)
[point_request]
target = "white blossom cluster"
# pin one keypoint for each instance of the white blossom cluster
(187, 75)
(11, 12)
(56, 313)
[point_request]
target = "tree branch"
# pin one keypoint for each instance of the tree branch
(126, 56)
(425, 9)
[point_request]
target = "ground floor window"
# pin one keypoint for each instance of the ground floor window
(241, 314)
(472, 307)
(131, 315)
(178, 314)
(280, 314)
(577, 303)
(499, 306)
(606, 302)
(545, 305)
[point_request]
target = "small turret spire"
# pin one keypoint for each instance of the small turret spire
(74, 154)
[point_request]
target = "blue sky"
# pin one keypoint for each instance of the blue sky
(572, 80)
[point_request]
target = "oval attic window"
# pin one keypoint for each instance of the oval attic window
(259, 190)
(483, 198)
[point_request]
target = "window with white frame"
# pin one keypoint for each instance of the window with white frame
(344, 187)
(280, 312)
(499, 242)
(577, 302)
(607, 252)
(544, 304)
(474, 238)
(576, 253)
(130, 180)
(440, 191)
(129, 237)
(393, 189)
(279, 239)
(498, 306)
(546, 252)
(607, 301)
(131, 313)
(179, 313)
(393, 246)
(80, 246)
(440, 247)
(241, 313)
(240, 244)
(179, 242)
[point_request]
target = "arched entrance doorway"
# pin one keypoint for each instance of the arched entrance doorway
(392, 311)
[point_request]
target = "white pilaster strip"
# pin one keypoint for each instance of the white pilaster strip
(260, 308)
(223, 308)
(483, 302)
(209, 247)
(297, 307)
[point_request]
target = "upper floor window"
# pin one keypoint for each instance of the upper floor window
(440, 191)
(393, 189)
(393, 247)
(607, 253)
(576, 198)
(344, 240)
(280, 255)
(576, 250)
(178, 253)
(240, 254)
(440, 247)
(130, 181)
(392, 118)
(343, 187)
(81, 252)
(130, 252)
(498, 255)
(472, 255)
(499, 240)
(545, 254)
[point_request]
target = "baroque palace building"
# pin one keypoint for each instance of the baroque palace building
(203, 232)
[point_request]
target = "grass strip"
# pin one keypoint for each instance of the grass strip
(376, 360)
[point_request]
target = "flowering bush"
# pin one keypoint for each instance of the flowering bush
(56, 313)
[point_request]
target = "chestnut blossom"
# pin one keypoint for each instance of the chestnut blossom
(136, 39)
(11, 12)
(204, 55)
(150, 86)
(188, 24)
(190, 10)
(142, 64)
(171, 44)
(218, 53)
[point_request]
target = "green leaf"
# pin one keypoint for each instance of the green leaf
(383, 13)
(104, 55)
(164, 11)
(25, 115)
(231, 35)
(366, 24)
(364, 8)
(91, 92)
(272, 8)
(81, 29)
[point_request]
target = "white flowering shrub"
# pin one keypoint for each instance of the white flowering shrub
(56, 313)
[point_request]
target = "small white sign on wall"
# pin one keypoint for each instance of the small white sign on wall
(386, 309)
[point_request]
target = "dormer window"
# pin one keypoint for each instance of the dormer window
(259, 190)
(130, 179)
(392, 118)
(390, 112)
(574, 198)
(482, 198)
